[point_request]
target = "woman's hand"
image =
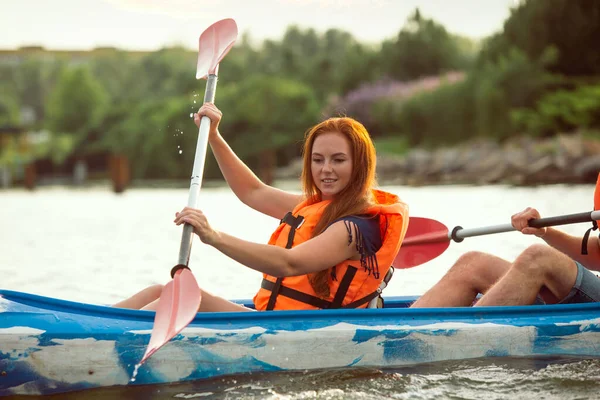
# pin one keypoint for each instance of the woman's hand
(211, 111)
(198, 220)
(521, 222)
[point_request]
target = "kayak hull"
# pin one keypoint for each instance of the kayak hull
(53, 346)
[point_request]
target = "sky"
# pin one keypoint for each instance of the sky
(153, 24)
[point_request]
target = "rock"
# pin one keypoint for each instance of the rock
(587, 169)
(291, 171)
(519, 161)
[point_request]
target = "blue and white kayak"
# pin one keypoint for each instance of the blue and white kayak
(52, 346)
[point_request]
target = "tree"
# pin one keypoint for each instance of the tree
(77, 103)
(572, 27)
(424, 48)
(265, 117)
(9, 111)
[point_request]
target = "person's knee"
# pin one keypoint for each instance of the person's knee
(155, 290)
(469, 263)
(536, 260)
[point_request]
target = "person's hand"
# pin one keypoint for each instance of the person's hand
(520, 222)
(215, 115)
(198, 220)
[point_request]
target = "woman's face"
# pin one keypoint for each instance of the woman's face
(331, 163)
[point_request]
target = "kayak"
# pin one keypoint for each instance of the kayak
(49, 345)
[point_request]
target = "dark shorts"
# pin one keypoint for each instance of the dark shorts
(586, 288)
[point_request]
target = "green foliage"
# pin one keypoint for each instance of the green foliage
(560, 111)
(165, 73)
(57, 148)
(30, 83)
(395, 144)
(450, 105)
(424, 48)
(267, 113)
(540, 75)
(115, 72)
(572, 27)
(330, 63)
(77, 104)
(152, 134)
(9, 111)
(477, 107)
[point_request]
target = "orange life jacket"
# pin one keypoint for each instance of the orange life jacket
(351, 286)
(597, 194)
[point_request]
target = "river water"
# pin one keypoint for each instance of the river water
(95, 246)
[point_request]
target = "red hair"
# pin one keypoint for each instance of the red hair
(356, 197)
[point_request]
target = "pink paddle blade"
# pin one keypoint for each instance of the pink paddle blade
(177, 307)
(214, 43)
(425, 240)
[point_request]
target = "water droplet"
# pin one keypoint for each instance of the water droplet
(135, 372)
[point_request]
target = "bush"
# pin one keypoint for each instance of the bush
(561, 111)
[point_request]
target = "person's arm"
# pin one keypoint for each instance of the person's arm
(561, 241)
(324, 251)
(248, 187)
(244, 183)
(571, 246)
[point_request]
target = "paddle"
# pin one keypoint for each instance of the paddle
(427, 238)
(180, 298)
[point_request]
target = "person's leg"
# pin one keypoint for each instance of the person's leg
(142, 298)
(586, 288)
(147, 299)
(473, 273)
(209, 303)
(538, 267)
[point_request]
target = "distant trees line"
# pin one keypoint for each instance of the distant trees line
(540, 75)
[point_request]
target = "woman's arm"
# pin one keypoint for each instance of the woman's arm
(244, 183)
(324, 251)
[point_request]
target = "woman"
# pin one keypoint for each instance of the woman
(336, 240)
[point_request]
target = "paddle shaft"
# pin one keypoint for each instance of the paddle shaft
(197, 172)
(459, 233)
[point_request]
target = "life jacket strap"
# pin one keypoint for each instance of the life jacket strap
(362, 300)
(294, 223)
(292, 294)
(277, 287)
(584, 241)
(343, 287)
(377, 300)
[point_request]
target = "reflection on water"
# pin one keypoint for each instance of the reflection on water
(490, 378)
